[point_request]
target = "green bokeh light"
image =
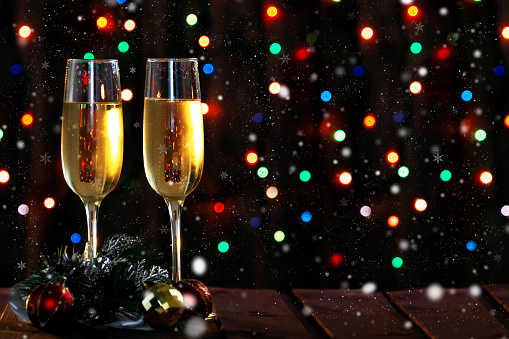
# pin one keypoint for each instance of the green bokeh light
(416, 48)
(445, 175)
(339, 135)
(305, 176)
(262, 172)
(480, 135)
(279, 236)
(397, 262)
(191, 19)
(403, 171)
(311, 38)
(88, 56)
(123, 47)
(1, 134)
(223, 247)
(275, 48)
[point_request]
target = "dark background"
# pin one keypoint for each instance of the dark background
(296, 134)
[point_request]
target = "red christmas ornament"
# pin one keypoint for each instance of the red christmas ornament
(48, 303)
(197, 298)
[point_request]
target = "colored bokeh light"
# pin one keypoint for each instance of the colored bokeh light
(129, 25)
(345, 178)
(262, 172)
(102, 22)
(445, 175)
(1, 134)
(75, 238)
(49, 203)
(204, 41)
(123, 47)
(486, 177)
(218, 207)
(223, 247)
(24, 31)
(274, 88)
(443, 53)
(4, 176)
(506, 121)
(420, 205)
(415, 87)
(367, 33)
(480, 135)
(258, 118)
(251, 158)
(88, 56)
(336, 259)
(304, 176)
(275, 48)
(326, 96)
(398, 117)
(191, 19)
(471, 245)
(358, 71)
(499, 70)
(369, 121)
(416, 48)
(339, 135)
(127, 94)
(27, 119)
(403, 171)
(397, 262)
(505, 32)
(466, 95)
(393, 221)
(272, 192)
(306, 216)
(16, 69)
(204, 108)
(413, 11)
(208, 68)
(302, 53)
(255, 222)
(279, 236)
(272, 11)
(392, 157)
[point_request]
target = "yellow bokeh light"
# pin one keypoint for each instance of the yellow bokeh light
(204, 108)
(415, 87)
(102, 22)
(4, 176)
(393, 221)
(272, 192)
(49, 203)
(272, 11)
(505, 32)
(274, 88)
(127, 94)
(24, 31)
(345, 178)
(129, 25)
(204, 41)
(486, 177)
(413, 10)
(367, 33)
(420, 205)
(392, 157)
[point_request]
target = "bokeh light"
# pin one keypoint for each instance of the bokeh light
(345, 178)
(480, 135)
(127, 94)
(393, 221)
(339, 135)
(204, 108)
(75, 238)
(272, 11)
(420, 204)
(306, 216)
(1, 134)
(365, 211)
(23, 209)
(274, 88)
(24, 31)
(208, 68)
(102, 22)
(486, 177)
(123, 47)
(4, 176)
(218, 207)
(413, 11)
(204, 41)
(191, 19)
(403, 171)
(369, 121)
(416, 48)
(392, 157)
(505, 32)
(129, 25)
(445, 175)
(262, 172)
(275, 48)
(397, 262)
(251, 158)
(466, 95)
(16, 69)
(471, 245)
(88, 56)
(223, 247)
(258, 118)
(271, 192)
(27, 119)
(443, 53)
(367, 33)
(255, 222)
(326, 96)
(415, 87)
(505, 210)
(398, 117)
(506, 121)
(499, 70)
(336, 259)
(304, 176)
(279, 236)
(358, 71)
(49, 203)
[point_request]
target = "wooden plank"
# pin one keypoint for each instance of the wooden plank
(456, 315)
(500, 293)
(255, 313)
(352, 313)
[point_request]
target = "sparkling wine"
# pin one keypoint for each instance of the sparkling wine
(173, 146)
(92, 147)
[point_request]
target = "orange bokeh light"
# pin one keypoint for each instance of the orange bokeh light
(393, 221)
(415, 87)
(369, 121)
(219, 207)
(251, 158)
(127, 94)
(345, 178)
(367, 33)
(24, 31)
(420, 204)
(102, 22)
(272, 11)
(49, 203)
(486, 177)
(204, 108)
(27, 119)
(4, 176)
(129, 25)
(272, 192)
(204, 41)
(274, 88)
(392, 157)
(505, 32)
(413, 10)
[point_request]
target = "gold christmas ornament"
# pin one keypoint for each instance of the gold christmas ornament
(162, 306)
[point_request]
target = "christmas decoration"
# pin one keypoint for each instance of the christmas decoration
(197, 298)
(48, 304)
(162, 306)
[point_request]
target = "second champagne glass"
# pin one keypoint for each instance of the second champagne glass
(92, 135)
(173, 137)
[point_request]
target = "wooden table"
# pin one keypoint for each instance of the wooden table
(323, 314)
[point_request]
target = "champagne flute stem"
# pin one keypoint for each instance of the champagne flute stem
(92, 208)
(175, 209)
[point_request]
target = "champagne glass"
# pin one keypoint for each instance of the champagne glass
(92, 135)
(173, 137)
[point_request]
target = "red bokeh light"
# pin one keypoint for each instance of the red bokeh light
(219, 207)
(336, 259)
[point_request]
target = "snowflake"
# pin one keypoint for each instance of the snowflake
(187, 145)
(285, 58)
(351, 16)
(136, 124)
(497, 257)
(241, 269)
(45, 158)
(74, 126)
(223, 175)
(343, 202)
(327, 274)
(45, 65)
(97, 183)
(418, 27)
(132, 70)
(162, 149)
(22, 265)
(437, 158)
(275, 271)
(164, 229)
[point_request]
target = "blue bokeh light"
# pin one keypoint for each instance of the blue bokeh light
(255, 222)
(499, 70)
(306, 216)
(398, 117)
(466, 95)
(258, 118)
(16, 69)
(208, 68)
(326, 96)
(471, 245)
(75, 238)
(358, 71)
